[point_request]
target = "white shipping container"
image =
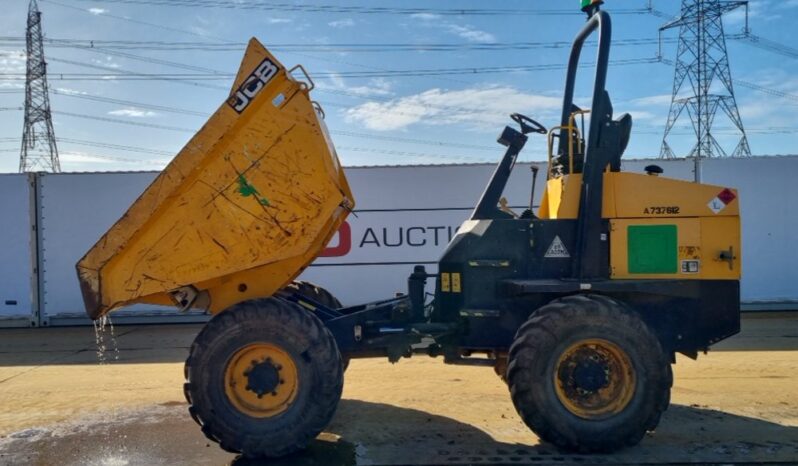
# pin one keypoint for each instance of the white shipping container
(75, 210)
(17, 281)
(769, 210)
(405, 216)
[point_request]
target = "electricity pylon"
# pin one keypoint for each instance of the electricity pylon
(702, 70)
(39, 151)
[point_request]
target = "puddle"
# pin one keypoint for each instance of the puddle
(368, 434)
(149, 436)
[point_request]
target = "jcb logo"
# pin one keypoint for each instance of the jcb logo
(252, 85)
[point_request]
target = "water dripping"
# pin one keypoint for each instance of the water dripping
(101, 342)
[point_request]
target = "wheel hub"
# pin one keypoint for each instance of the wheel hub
(591, 375)
(594, 379)
(263, 377)
(261, 380)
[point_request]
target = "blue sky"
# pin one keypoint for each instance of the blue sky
(375, 121)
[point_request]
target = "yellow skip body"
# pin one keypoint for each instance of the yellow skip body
(244, 207)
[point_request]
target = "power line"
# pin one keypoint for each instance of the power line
(237, 45)
(341, 133)
(161, 108)
(134, 76)
(104, 145)
(406, 154)
(156, 61)
(766, 44)
(120, 73)
(113, 46)
(370, 10)
(114, 159)
(750, 85)
(130, 20)
(123, 147)
(412, 141)
(766, 90)
(168, 109)
(125, 122)
(331, 91)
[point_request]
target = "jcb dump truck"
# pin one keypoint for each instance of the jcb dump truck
(580, 307)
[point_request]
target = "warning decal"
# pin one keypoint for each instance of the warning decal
(557, 249)
(720, 201)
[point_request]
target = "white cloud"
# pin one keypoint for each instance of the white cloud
(133, 112)
(97, 11)
(481, 107)
(470, 34)
(12, 62)
(661, 99)
(279, 20)
(466, 32)
(425, 16)
(375, 87)
(67, 91)
(642, 115)
(761, 11)
(108, 62)
(342, 23)
(84, 158)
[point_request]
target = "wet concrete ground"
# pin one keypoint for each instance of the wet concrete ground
(738, 405)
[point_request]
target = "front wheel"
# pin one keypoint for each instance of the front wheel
(587, 374)
(263, 378)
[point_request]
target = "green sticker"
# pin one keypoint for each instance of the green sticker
(652, 249)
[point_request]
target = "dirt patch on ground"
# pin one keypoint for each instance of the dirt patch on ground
(735, 405)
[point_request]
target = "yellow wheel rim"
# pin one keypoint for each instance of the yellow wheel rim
(594, 379)
(261, 380)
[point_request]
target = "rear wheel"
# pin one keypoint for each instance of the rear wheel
(320, 295)
(263, 378)
(587, 374)
(315, 292)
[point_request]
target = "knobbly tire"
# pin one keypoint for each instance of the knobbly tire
(263, 378)
(320, 295)
(586, 374)
(316, 293)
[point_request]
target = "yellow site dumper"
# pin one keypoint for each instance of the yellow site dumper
(580, 306)
(247, 204)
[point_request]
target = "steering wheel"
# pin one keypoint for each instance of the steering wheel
(528, 125)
